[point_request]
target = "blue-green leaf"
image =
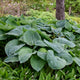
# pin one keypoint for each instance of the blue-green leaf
(68, 26)
(65, 41)
(2, 35)
(77, 60)
(31, 37)
(61, 23)
(18, 31)
(11, 59)
(40, 43)
(44, 35)
(42, 52)
(42, 55)
(58, 47)
(69, 35)
(37, 63)
(77, 30)
(13, 46)
(66, 56)
(55, 62)
(24, 54)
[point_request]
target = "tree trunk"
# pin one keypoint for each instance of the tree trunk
(60, 9)
(1, 8)
(70, 10)
(1, 0)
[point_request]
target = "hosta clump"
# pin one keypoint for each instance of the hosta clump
(42, 43)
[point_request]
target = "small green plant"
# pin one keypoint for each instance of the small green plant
(49, 15)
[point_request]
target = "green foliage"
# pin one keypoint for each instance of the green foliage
(51, 4)
(18, 72)
(40, 14)
(30, 37)
(37, 63)
(55, 62)
(27, 54)
(42, 4)
(77, 19)
(49, 15)
(33, 41)
(12, 47)
(40, 43)
(15, 72)
(21, 73)
(72, 4)
(2, 35)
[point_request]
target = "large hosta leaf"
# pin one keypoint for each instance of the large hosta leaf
(37, 63)
(40, 43)
(2, 35)
(77, 60)
(61, 23)
(44, 35)
(42, 52)
(64, 23)
(11, 59)
(57, 32)
(19, 30)
(42, 55)
(69, 35)
(55, 62)
(45, 27)
(58, 47)
(64, 41)
(16, 32)
(66, 56)
(24, 54)
(31, 37)
(12, 21)
(68, 26)
(77, 30)
(13, 46)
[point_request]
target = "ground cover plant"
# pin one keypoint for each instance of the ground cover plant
(39, 42)
(50, 15)
(22, 72)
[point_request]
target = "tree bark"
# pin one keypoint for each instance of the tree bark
(1, 0)
(70, 10)
(60, 9)
(1, 7)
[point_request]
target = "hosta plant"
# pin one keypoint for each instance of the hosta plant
(41, 43)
